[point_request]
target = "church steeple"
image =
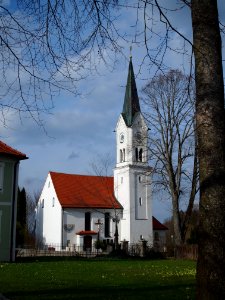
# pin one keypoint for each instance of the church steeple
(131, 101)
(132, 170)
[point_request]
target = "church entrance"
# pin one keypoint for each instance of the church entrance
(87, 243)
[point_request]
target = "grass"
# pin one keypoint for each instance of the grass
(98, 279)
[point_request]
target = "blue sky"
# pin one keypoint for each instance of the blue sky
(80, 129)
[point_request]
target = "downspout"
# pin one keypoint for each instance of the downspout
(13, 215)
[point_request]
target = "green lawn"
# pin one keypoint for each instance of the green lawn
(98, 279)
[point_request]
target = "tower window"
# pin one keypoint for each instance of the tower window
(140, 154)
(139, 178)
(43, 203)
(140, 201)
(136, 154)
(121, 156)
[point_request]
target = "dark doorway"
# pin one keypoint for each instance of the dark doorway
(87, 242)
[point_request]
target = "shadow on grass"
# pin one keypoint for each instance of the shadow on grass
(108, 293)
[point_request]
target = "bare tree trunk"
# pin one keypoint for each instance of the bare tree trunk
(211, 149)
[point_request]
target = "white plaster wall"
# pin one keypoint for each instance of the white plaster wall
(122, 193)
(77, 218)
(141, 216)
(49, 217)
(137, 219)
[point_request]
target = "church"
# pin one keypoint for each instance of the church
(77, 210)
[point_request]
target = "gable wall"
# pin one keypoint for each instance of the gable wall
(49, 216)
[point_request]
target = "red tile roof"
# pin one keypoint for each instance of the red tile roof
(83, 191)
(86, 232)
(9, 151)
(157, 225)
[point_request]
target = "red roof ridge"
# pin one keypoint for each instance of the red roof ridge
(157, 225)
(7, 150)
(80, 175)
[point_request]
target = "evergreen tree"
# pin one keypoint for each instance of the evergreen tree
(21, 224)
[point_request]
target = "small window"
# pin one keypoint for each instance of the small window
(141, 237)
(124, 155)
(156, 236)
(140, 179)
(140, 201)
(53, 202)
(1, 176)
(43, 203)
(49, 184)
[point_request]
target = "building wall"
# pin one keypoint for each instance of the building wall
(75, 218)
(136, 220)
(57, 226)
(132, 184)
(8, 205)
(48, 216)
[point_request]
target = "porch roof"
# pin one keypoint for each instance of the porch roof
(86, 232)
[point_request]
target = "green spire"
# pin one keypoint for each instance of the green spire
(131, 101)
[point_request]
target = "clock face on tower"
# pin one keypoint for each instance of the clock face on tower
(121, 137)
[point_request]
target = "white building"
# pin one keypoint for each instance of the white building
(74, 209)
(77, 209)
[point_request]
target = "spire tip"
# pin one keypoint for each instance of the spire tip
(130, 52)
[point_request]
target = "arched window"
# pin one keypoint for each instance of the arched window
(136, 154)
(140, 154)
(121, 155)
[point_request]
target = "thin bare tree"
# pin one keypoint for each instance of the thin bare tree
(47, 46)
(169, 103)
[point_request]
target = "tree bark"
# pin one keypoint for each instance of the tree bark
(211, 149)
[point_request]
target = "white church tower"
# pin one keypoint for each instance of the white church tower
(132, 186)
